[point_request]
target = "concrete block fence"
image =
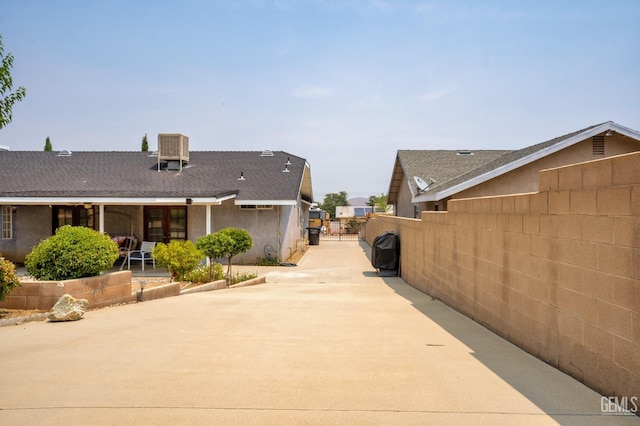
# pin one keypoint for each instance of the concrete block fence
(556, 272)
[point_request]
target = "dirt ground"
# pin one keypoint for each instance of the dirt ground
(17, 313)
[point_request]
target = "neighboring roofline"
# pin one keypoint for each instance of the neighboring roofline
(397, 164)
(609, 125)
(164, 201)
(306, 171)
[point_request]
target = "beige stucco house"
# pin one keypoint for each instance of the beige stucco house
(424, 180)
(171, 194)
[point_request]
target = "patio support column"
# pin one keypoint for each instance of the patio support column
(101, 216)
(207, 226)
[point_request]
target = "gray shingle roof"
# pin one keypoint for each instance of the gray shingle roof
(449, 170)
(507, 158)
(135, 174)
(440, 165)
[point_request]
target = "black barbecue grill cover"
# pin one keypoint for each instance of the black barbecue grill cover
(385, 251)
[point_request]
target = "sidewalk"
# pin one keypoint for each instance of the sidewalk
(327, 342)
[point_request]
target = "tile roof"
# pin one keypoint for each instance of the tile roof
(135, 175)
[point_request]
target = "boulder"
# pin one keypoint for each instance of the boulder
(68, 308)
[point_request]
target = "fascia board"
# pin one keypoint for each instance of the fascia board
(110, 200)
(625, 131)
(265, 202)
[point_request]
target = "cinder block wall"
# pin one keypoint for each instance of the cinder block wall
(100, 291)
(556, 272)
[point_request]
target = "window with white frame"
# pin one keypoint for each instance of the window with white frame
(7, 225)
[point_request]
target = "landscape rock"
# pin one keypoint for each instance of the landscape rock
(68, 308)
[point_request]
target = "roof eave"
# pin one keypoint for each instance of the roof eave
(265, 202)
(610, 125)
(165, 201)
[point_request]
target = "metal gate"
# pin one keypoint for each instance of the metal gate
(335, 232)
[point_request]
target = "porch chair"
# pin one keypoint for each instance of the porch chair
(143, 254)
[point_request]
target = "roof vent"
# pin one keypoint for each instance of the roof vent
(64, 153)
(173, 147)
(266, 153)
(465, 152)
(597, 144)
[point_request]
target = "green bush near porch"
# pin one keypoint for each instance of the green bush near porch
(73, 252)
(8, 277)
(179, 257)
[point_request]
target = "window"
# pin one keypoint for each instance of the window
(7, 223)
(73, 215)
(256, 206)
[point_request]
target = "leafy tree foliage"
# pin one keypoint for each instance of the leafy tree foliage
(73, 252)
(331, 201)
(379, 202)
(179, 257)
(7, 98)
(47, 145)
(226, 243)
(145, 144)
(8, 278)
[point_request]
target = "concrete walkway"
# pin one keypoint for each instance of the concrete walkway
(327, 342)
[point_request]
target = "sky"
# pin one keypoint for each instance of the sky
(344, 84)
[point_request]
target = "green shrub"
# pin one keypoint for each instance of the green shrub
(179, 257)
(200, 274)
(73, 252)
(353, 226)
(244, 276)
(9, 279)
(267, 262)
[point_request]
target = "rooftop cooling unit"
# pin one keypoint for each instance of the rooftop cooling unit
(173, 148)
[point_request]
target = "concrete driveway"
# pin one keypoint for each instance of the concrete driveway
(325, 342)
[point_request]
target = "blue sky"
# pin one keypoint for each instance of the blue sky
(344, 84)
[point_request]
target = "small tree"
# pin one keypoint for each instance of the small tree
(214, 246)
(73, 252)
(7, 98)
(332, 200)
(47, 145)
(8, 278)
(227, 243)
(145, 144)
(179, 257)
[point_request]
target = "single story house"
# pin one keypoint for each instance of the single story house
(171, 194)
(424, 180)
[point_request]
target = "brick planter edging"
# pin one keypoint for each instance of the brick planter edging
(252, 281)
(160, 292)
(221, 284)
(100, 291)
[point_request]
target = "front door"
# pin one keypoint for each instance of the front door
(164, 224)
